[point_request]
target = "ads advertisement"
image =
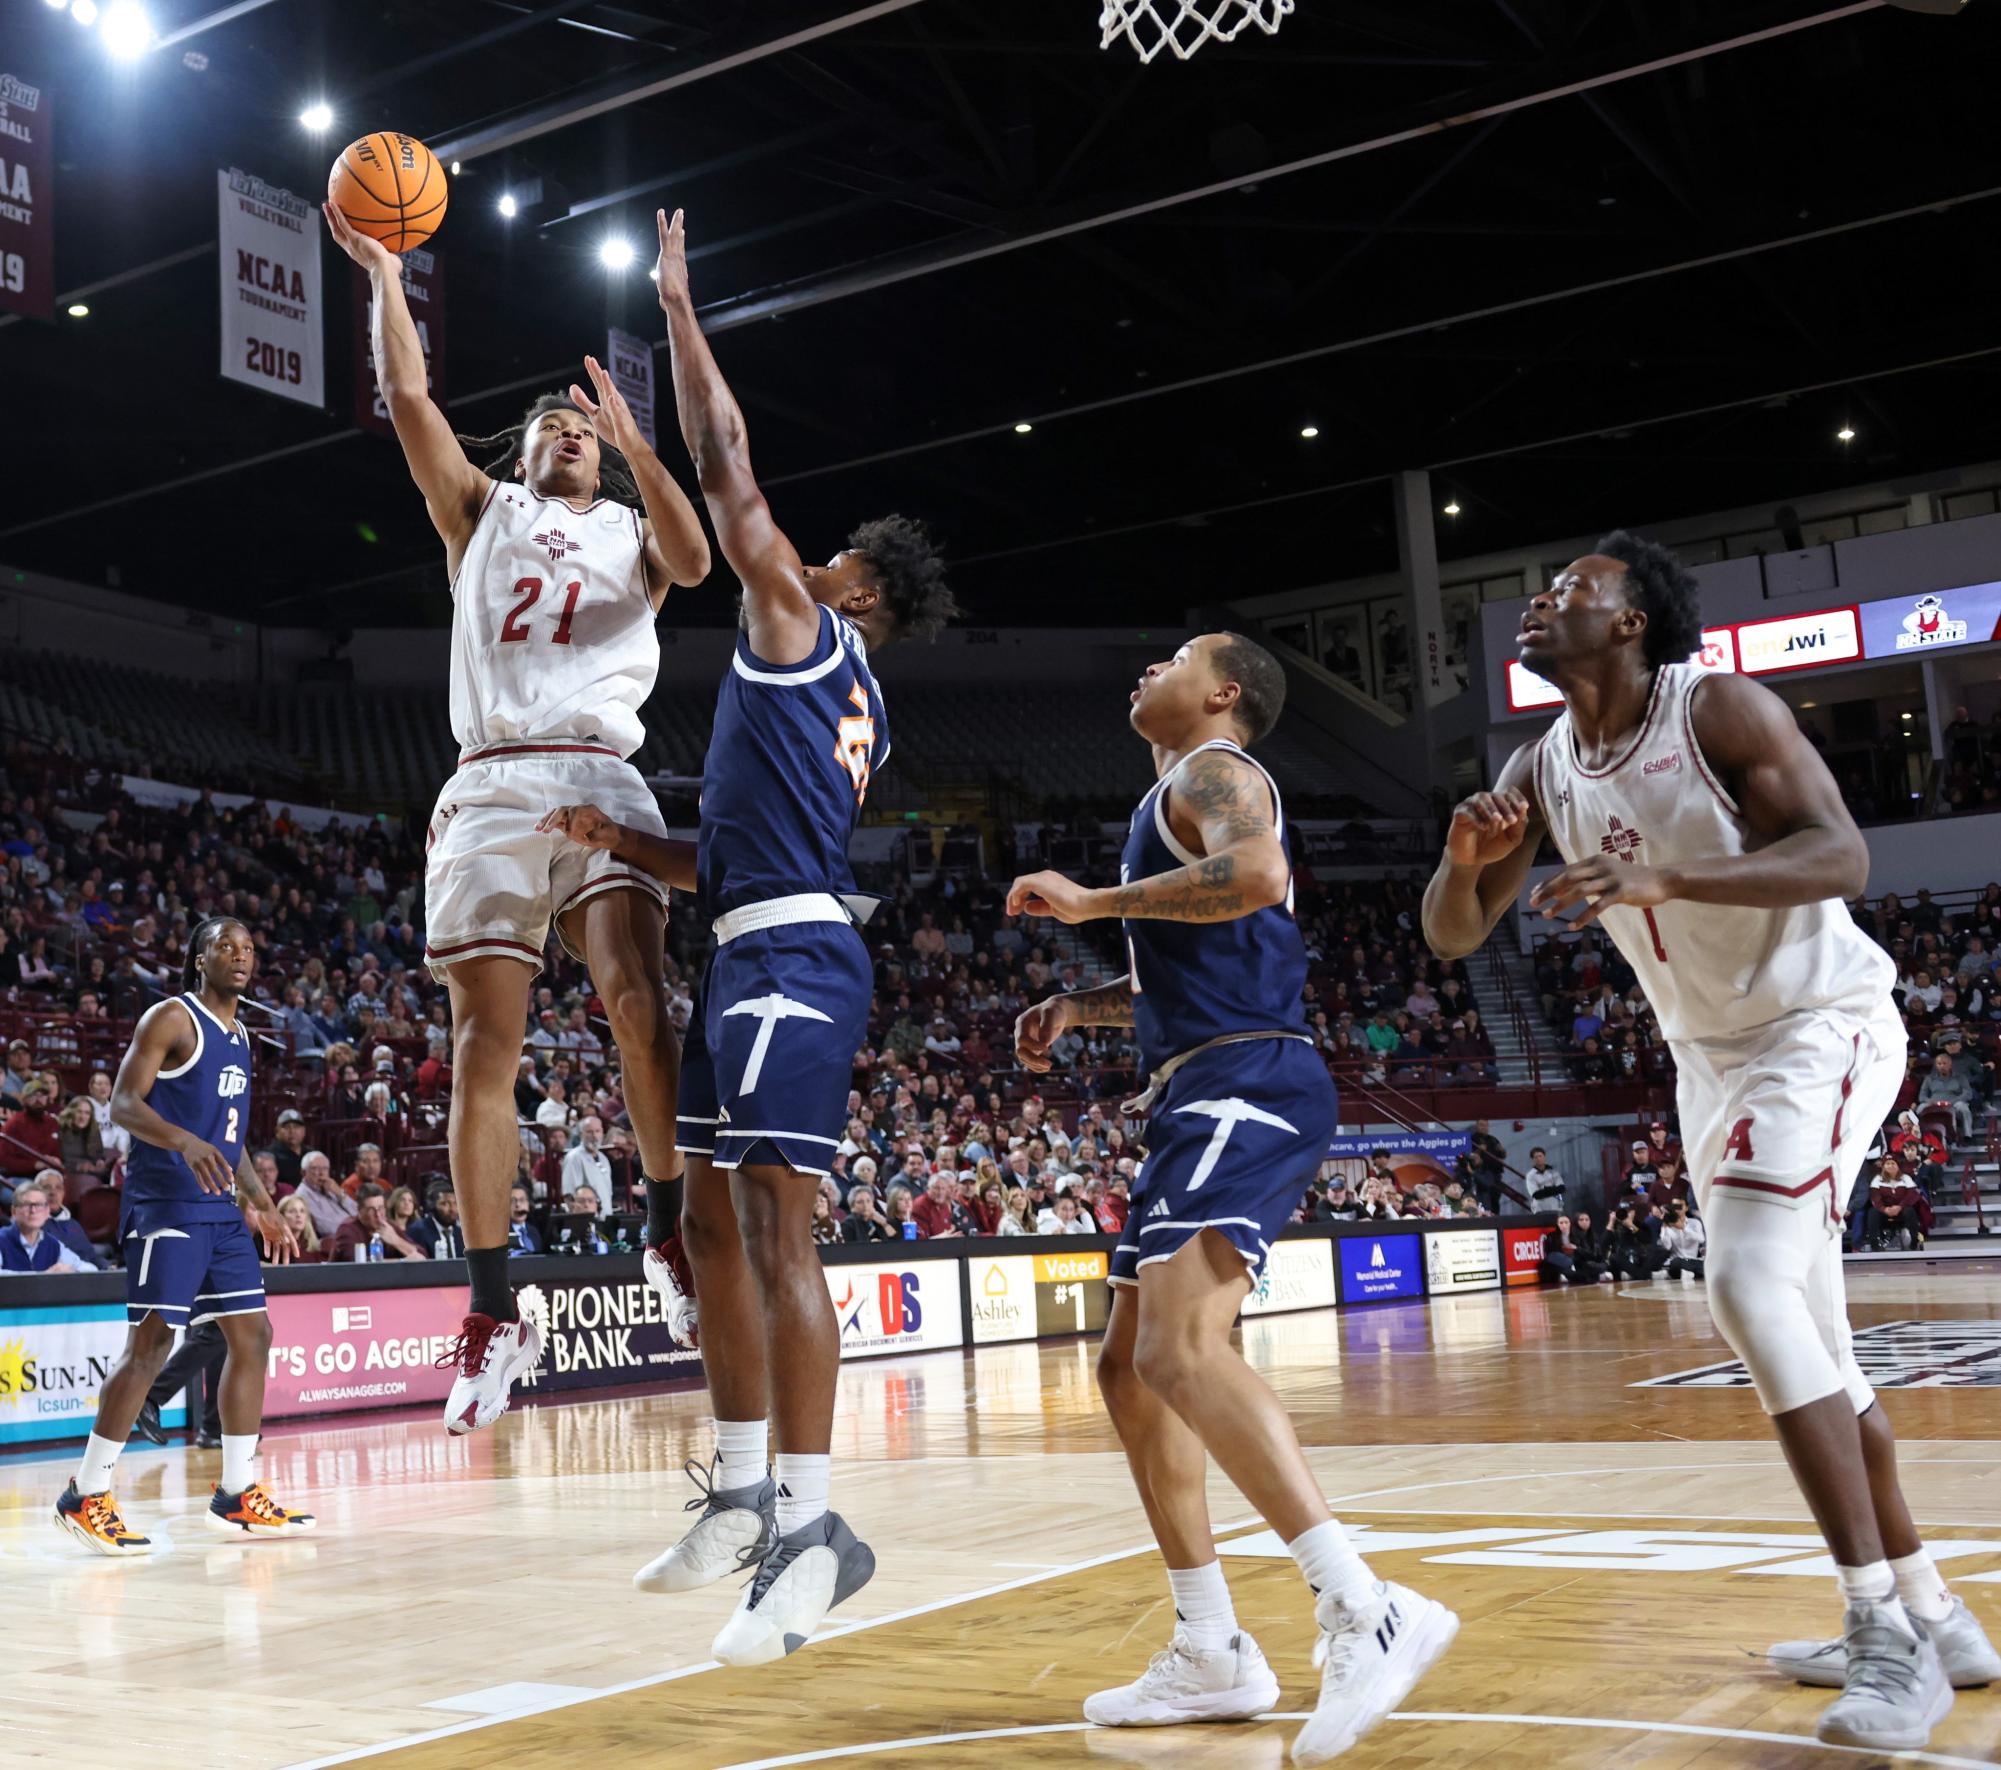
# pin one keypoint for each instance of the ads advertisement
(608, 1330)
(1521, 1255)
(1295, 1275)
(1379, 1268)
(1463, 1260)
(912, 1307)
(1901, 625)
(1036, 1296)
(52, 1364)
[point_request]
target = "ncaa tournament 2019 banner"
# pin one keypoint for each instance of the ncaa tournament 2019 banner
(906, 1308)
(629, 362)
(53, 1362)
(27, 198)
(268, 241)
(424, 290)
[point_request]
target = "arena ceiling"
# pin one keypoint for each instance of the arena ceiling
(1592, 261)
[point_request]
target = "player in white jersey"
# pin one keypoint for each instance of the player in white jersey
(557, 580)
(1707, 835)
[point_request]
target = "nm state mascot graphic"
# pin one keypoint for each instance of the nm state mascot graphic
(1929, 624)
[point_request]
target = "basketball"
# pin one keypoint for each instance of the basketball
(390, 187)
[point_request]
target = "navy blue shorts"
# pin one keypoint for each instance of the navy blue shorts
(192, 1272)
(1232, 1144)
(787, 1009)
(695, 1112)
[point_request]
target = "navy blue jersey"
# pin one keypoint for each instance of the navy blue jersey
(208, 1095)
(789, 763)
(1195, 981)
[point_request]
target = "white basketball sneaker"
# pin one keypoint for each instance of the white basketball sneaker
(799, 1578)
(666, 1270)
(490, 1355)
(1183, 1682)
(1895, 1690)
(1369, 1660)
(732, 1520)
(1964, 1651)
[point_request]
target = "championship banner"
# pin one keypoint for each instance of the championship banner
(424, 289)
(27, 199)
(269, 250)
(913, 1308)
(53, 1362)
(629, 362)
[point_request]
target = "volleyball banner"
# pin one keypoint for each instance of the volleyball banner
(268, 246)
(27, 199)
(629, 362)
(424, 291)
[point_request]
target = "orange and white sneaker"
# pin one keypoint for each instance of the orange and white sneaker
(94, 1518)
(665, 1267)
(253, 1512)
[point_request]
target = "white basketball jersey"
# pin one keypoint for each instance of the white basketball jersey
(1709, 970)
(553, 633)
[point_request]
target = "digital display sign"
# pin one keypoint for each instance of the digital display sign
(1377, 1268)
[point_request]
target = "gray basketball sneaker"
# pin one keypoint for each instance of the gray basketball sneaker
(799, 1578)
(1964, 1651)
(732, 1519)
(1895, 1690)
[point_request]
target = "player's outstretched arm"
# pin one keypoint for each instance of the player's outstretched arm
(783, 621)
(453, 487)
(669, 861)
(1810, 850)
(677, 552)
(165, 1030)
(1490, 845)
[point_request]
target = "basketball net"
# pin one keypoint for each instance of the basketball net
(1185, 25)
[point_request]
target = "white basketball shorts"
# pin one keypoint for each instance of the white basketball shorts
(493, 883)
(1775, 1123)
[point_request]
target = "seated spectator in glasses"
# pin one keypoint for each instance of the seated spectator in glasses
(370, 1222)
(62, 1223)
(1894, 1202)
(1685, 1240)
(329, 1205)
(31, 1140)
(367, 1170)
(1945, 1086)
(522, 1235)
(83, 1156)
(26, 1244)
(865, 1221)
(437, 1231)
(300, 1221)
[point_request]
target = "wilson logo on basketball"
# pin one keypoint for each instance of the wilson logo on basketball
(557, 543)
(1668, 764)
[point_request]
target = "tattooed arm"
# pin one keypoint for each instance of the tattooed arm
(1220, 806)
(1110, 1004)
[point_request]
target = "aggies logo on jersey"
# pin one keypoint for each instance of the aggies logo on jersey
(1620, 840)
(557, 544)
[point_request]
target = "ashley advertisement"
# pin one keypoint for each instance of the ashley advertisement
(52, 1364)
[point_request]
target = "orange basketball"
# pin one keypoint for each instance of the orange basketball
(391, 187)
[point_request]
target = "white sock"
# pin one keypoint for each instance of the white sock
(1873, 1584)
(1202, 1603)
(100, 1456)
(1922, 1588)
(742, 1453)
(239, 1451)
(1331, 1565)
(802, 1490)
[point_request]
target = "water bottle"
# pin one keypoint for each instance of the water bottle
(375, 1247)
(909, 1231)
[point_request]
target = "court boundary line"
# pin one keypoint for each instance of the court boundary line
(872, 1748)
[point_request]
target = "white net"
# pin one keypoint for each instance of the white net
(1185, 25)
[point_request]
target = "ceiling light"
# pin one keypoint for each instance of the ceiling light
(84, 12)
(508, 206)
(1309, 431)
(615, 253)
(128, 32)
(77, 310)
(59, 5)
(455, 168)
(1023, 428)
(1452, 509)
(1845, 434)
(1905, 715)
(317, 116)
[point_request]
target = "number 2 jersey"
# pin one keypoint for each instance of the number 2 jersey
(207, 1094)
(1709, 970)
(1197, 981)
(553, 634)
(791, 754)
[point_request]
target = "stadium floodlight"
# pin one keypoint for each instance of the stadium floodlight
(317, 116)
(84, 12)
(616, 253)
(128, 32)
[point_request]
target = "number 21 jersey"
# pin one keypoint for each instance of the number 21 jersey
(553, 637)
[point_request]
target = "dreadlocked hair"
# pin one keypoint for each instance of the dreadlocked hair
(498, 453)
(1664, 590)
(198, 945)
(909, 570)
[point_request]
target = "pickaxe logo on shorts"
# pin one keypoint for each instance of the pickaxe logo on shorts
(770, 1010)
(1228, 1114)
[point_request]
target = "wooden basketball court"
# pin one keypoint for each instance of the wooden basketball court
(1620, 1557)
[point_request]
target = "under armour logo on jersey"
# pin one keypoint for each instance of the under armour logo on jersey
(770, 1010)
(1228, 1114)
(232, 1082)
(1621, 840)
(557, 543)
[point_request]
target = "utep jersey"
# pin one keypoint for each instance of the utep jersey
(790, 759)
(1709, 970)
(1193, 982)
(553, 635)
(208, 1095)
